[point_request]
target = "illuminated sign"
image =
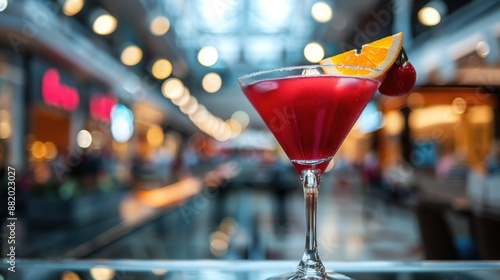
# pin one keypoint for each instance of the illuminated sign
(57, 94)
(122, 123)
(101, 106)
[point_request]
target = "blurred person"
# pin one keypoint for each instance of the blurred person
(372, 188)
(400, 181)
(372, 173)
(452, 164)
(444, 165)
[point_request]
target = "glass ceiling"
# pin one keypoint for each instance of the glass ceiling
(252, 32)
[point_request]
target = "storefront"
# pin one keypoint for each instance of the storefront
(11, 113)
(439, 129)
(155, 147)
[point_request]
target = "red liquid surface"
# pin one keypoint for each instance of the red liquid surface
(310, 116)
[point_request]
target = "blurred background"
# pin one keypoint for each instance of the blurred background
(131, 140)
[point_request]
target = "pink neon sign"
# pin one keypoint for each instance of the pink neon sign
(57, 94)
(101, 106)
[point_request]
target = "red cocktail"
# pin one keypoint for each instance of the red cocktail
(310, 113)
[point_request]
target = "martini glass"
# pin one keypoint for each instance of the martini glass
(310, 112)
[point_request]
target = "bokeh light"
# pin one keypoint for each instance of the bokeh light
(50, 150)
(321, 12)
(314, 52)
(183, 99)
(211, 82)
(241, 117)
(459, 105)
(482, 49)
(105, 24)
(102, 273)
(72, 7)
(5, 130)
(161, 69)
(190, 107)
(208, 56)
(38, 150)
(393, 122)
(70, 275)
(172, 88)
(429, 16)
(3, 5)
(159, 26)
(83, 139)
(131, 55)
(122, 123)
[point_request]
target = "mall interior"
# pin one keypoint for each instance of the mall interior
(126, 136)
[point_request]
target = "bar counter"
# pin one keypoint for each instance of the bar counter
(250, 270)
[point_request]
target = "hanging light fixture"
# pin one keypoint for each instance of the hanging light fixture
(131, 55)
(432, 13)
(72, 7)
(103, 23)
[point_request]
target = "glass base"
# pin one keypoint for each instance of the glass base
(296, 276)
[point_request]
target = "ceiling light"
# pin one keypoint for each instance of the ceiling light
(102, 273)
(70, 275)
(183, 99)
(72, 7)
(429, 16)
(159, 26)
(235, 127)
(3, 5)
(190, 107)
(200, 115)
(161, 69)
(432, 13)
(172, 88)
(224, 134)
(314, 52)
(212, 82)
(131, 55)
(321, 12)
(208, 56)
(241, 117)
(104, 23)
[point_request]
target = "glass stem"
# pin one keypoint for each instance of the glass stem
(311, 263)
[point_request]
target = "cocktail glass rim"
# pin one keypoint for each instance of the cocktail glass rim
(241, 80)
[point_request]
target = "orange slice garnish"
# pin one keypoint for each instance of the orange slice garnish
(380, 54)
